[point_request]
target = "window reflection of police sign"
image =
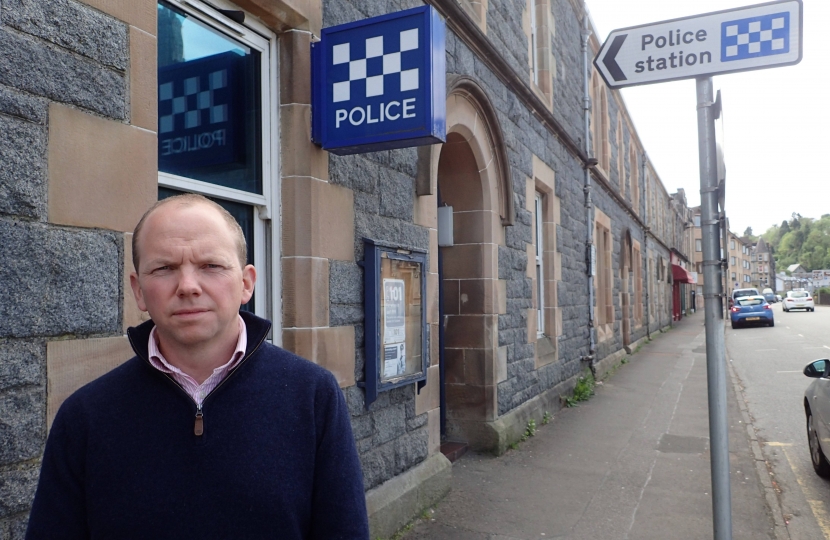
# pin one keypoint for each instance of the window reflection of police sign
(201, 108)
(394, 311)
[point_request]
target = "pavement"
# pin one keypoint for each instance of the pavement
(630, 463)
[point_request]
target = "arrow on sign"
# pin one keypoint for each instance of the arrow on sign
(610, 56)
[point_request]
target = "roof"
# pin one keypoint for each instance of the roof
(794, 267)
(762, 245)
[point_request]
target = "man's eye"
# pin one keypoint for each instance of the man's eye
(213, 266)
(161, 269)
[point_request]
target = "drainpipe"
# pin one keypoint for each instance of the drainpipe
(589, 217)
(646, 233)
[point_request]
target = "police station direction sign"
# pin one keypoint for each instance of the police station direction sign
(380, 83)
(753, 37)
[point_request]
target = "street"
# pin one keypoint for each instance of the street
(769, 363)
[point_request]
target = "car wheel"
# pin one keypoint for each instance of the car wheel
(772, 323)
(734, 326)
(820, 464)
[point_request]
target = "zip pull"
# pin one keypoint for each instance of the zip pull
(199, 425)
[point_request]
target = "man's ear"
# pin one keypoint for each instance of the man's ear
(139, 297)
(248, 282)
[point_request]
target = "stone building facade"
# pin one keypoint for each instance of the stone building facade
(85, 150)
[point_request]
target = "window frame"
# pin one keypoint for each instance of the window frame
(534, 37)
(266, 206)
(540, 264)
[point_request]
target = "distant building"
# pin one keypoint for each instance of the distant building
(763, 265)
(738, 255)
(796, 269)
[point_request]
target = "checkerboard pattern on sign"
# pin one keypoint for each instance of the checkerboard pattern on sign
(761, 36)
(341, 54)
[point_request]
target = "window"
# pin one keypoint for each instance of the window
(599, 121)
(542, 63)
(635, 178)
(638, 282)
(217, 126)
(733, 276)
(534, 42)
(732, 261)
(697, 220)
(540, 270)
(620, 154)
(698, 244)
(604, 278)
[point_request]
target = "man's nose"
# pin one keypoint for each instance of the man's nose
(188, 282)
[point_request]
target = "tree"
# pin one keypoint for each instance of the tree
(748, 232)
(785, 228)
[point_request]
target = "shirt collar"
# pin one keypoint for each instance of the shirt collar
(158, 361)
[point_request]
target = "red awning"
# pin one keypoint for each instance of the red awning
(680, 275)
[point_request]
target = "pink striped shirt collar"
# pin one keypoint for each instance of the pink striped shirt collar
(195, 390)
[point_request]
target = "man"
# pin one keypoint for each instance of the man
(209, 432)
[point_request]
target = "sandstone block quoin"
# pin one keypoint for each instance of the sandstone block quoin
(57, 281)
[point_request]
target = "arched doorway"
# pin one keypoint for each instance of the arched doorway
(471, 179)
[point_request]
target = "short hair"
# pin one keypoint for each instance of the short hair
(191, 199)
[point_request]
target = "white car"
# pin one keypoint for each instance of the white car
(799, 300)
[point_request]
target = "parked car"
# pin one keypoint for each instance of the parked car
(738, 293)
(799, 300)
(778, 297)
(751, 310)
(770, 297)
(817, 410)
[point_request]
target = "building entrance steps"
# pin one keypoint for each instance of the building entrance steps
(632, 462)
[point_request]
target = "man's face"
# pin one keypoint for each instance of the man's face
(189, 277)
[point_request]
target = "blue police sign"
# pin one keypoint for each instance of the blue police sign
(380, 83)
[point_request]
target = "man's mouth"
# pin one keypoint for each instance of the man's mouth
(189, 312)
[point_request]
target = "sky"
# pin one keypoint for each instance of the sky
(775, 121)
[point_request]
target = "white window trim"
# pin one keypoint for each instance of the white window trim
(267, 228)
(540, 268)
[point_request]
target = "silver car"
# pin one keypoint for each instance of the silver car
(817, 409)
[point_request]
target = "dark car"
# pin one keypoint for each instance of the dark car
(770, 298)
(751, 310)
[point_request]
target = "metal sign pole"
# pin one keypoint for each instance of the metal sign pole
(713, 306)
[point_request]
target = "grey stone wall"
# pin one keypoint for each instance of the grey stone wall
(390, 437)
(55, 282)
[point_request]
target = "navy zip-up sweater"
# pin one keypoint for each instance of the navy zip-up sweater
(276, 459)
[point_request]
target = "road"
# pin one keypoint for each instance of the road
(769, 364)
